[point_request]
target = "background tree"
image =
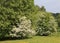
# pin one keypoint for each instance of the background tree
(43, 8)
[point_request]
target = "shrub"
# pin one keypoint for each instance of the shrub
(23, 30)
(46, 24)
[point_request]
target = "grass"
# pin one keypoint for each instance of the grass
(37, 39)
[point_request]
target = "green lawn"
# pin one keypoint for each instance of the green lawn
(36, 39)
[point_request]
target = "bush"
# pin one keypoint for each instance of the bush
(23, 30)
(46, 24)
(42, 33)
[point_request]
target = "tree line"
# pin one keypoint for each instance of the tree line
(23, 19)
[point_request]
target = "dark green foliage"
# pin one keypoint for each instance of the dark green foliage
(10, 13)
(57, 17)
(43, 8)
(8, 18)
(20, 6)
(46, 24)
(40, 8)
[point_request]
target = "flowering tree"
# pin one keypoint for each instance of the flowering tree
(23, 30)
(46, 24)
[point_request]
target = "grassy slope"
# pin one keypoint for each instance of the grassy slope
(36, 39)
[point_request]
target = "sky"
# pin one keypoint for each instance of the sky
(50, 5)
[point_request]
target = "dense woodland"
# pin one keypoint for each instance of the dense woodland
(23, 19)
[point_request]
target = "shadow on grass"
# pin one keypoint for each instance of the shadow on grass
(12, 38)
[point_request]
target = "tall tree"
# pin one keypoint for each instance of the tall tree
(11, 11)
